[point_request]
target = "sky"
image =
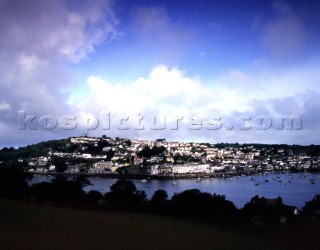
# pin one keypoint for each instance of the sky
(201, 71)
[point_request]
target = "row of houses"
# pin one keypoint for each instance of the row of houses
(178, 157)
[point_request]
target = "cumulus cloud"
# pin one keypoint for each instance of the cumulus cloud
(163, 86)
(168, 94)
(39, 39)
(4, 106)
(56, 28)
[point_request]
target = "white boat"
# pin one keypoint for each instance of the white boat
(144, 180)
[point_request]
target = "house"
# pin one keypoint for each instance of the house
(104, 166)
(86, 156)
(42, 161)
(285, 212)
(153, 170)
(52, 167)
(137, 160)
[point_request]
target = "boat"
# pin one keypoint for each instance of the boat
(266, 180)
(144, 180)
(198, 179)
(174, 182)
(312, 181)
(256, 183)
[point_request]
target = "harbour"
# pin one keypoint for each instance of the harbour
(294, 188)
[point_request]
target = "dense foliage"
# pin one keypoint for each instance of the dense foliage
(124, 196)
(149, 152)
(37, 150)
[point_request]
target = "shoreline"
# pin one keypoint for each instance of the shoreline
(174, 176)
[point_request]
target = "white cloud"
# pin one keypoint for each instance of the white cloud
(171, 93)
(4, 106)
(163, 87)
(56, 28)
(39, 39)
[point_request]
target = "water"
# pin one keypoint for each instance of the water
(239, 190)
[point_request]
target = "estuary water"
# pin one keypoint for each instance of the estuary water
(294, 188)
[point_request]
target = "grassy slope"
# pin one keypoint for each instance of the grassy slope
(32, 226)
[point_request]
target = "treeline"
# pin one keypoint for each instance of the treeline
(36, 150)
(124, 196)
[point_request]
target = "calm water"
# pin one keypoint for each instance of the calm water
(239, 190)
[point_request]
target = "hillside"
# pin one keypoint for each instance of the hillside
(32, 226)
(105, 155)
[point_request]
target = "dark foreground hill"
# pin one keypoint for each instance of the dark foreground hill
(32, 226)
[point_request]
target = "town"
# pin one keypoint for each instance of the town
(161, 158)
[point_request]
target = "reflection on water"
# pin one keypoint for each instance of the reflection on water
(295, 189)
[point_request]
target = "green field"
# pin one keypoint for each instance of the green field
(32, 226)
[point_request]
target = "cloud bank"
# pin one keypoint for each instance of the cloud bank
(168, 93)
(45, 44)
(39, 38)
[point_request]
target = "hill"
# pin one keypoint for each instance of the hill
(32, 226)
(105, 155)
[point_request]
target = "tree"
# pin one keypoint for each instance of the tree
(61, 190)
(124, 195)
(149, 152)
(128, 142)
(94, 197)
(59, 163)
(13, 182)
(160, 140)
(312, 208)
(123, 186)
(261, 212)
(159, 201)
(110, 154)
(204, 206)
(80, 182)
(159, 197)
